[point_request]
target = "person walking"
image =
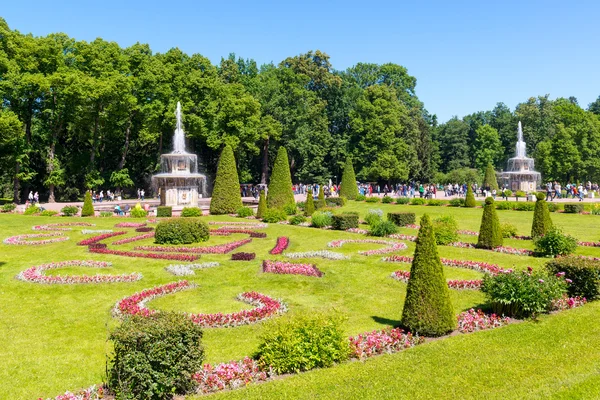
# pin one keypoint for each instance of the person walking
(142, 194)
(30, 197)
(36, 197)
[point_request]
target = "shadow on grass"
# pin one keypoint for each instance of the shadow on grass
(386, 321)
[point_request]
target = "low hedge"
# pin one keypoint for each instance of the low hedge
(584, 274)
(402, 218)
(344, 221)
(402, 200)
(5, 200)
(458, 202)
(9, 207)
(373, 199)
(524, 206)
(417, 201)
(336, 201)
(69, 211)
(274, 215)
(436, 203)
(387, 200)
(164, 211)
(191, 212)
(181, 231)
(574, 208)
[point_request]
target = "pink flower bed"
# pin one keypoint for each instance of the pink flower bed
(475, 265)
(265, 307)
(57, 226)
(134, 238)
(589, 244)
(467, 232)
(229, 231)
(401, 236)
(566, 303)
(282, 244)
(462, 245)
(217, 249)
(412, 226)
(385, 341)
(98, 238)
(36, 274)
(243, 256)
(458, 284)
(512, 250)
(357, 230)
(144, 229)
(21, 240)
(471, 321)
(281, 267)
(130, 225)
(391, 246)
(235, 224)
(231, 375)
(135, 254)
(521, 237)
(92, 393)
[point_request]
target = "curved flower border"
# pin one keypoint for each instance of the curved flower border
(282, 243)
(459, 284)
(135, 254)
(282, 267)
(188, 269)
(130, 224)
(471, 321)
(329, 255)
(36, 274)
(217, 249)
(98, 238)
(57, 226)
(133, 238)
(448, 262)
(391, 246)
(235, 224)
(19, 240)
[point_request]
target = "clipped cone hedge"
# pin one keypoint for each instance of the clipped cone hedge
(321, 198)
(348, 187)
(309, 206)
(226, 197)
(490, 232)
(88, 207)
(280, 185)
(470, 199)
(262, 205)
(428, 309)
(541, 217)
(490, 178)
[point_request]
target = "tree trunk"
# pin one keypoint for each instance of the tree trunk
(265, 162)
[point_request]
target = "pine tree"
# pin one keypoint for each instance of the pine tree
(226, 197)
(280, 185)
(348, 187)
(470, 199)
(321, 198)
(541, 217)
(427, 308)
(309, 206)
(490, 232)
(262, 205)
(88, 207)
(490, 178)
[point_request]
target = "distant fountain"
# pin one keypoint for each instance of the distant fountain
(520, 174)
(179, 182)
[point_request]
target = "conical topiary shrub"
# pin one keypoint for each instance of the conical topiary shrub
(470, 199)
(490, 178)
(226, 197)
(321, 198)
(348, 187)
(280, 185)
(490, 232)
(88, 207)
(541, 217)
(427, 309)
(309, 206)
(262, 205)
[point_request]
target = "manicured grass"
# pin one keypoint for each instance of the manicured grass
(53, 337)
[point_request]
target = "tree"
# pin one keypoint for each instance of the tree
(541, 217)
(489, 180)
(321, 198)
(262, 205)
(11, 144)
(490, 232)
(88, 207)
(226, 197)
(348, 187)
(453, 140)
(488, 149)
(470, 198)
(427, 308)
(309, 206)
(280, 185)
(594, 107)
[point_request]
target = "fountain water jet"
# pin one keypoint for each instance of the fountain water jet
(520, 174)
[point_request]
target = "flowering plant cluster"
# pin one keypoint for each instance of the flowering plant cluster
(231, 375)
(282, 243)
(448, 262)
(229, 231)
(458, 284)
(265, 307)
(96, 239)
(217, 249)
(91, 393)
(156, 256)
(95, 231)
(401, 236)
(144, 229)
(512, 250)
(57, 226)
(243, 256)
(134, 238)
(330, 255)
(566, 303)
(130, 225)
(36, 274)
(21, 239)
(589, 244)
(467, 232)
(385, 341)
(471, 321)
(412, 226)
(188, 269)
(462, 245)
(357, 230)
(281, 267)
(391, 246)
(522, 237)
(235, 224)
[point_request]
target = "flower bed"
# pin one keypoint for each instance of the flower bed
(231, 375)
(589, 244)
(135, 254)
(235, 224)
(217, 249)
(36, 274)
(458, 284)
(134, 238)
(243, 256)
(144, 229)
(130, 224)
(188, 269)
(96, 239)
(401, 236)
(384, 341)
(391, 246)
(91, 393)
(57, 226)
(448, 262)
(281, 267)
(357, 230)
(330, 255)
(462, 245)
(265, 307)
(282, 243)
(467, 232)
(471, 321)
(229, 231)
(412, 226)
(20, 240)
(521, 237)
(95, 231)
(566, 303)
(512, 250)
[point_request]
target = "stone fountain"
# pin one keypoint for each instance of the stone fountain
(520, 174)
(179, 182)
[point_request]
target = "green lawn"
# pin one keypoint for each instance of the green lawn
(54, 337)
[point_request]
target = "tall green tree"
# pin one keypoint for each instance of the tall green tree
(280, 186)
(348, 187)
(226, 197)
(487, 149)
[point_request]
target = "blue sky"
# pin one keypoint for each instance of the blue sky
(466, 55)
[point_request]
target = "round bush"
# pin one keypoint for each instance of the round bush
(297, 219)
(374, 216)
(555, 243)
(138, 211)
(244, 212)
(445, 229)
(69, 211)
(508, 230)
(321, 219)
(383, 228)
(274, 215)
(181, 231)
(191, 212)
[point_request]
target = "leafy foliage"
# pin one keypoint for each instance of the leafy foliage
(280, 185)
(69, 211)
(226, 197)
(321, 199)
(575, 208)
(490, 232)
(138, 211)
(445, 229)
(470, 199)
(297, 219)
(489, 180)
(508, 230)
(88, 207)
(181, 231)
(309, 208)
(348, 187)
(555, 243)
(374, 216)
(321, 219)
(584, 275)
(541, 217)
(383, 228)
(244, 212)
(402, 218)
(344, 221)
(274, 215)
(191, 212)
(164, 211)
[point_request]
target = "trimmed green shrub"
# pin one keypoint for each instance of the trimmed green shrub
(321, 219)
(48, 213)
(321, 199)
(164, 211)
(383, 228)
(303, 343)
(490, 232)
(427, 308)
(344, 221)
(470, 198)
(69, 211)
(387, 199)
(280, 185)
(595, 209)
(458, 202)
(445, 229)
(490, 178)
(519, 193)
(297, 219)
(361, 197)
(244, 212)
(31, 210)
(373, 199)
(541, 217)
(138, 211)
(336, 201)
(155, 357)
(301, 205)
(191, 212)
(524, 206)
(522, 293)
(106, 214)
(507, 192)
(181, 231)
(417, 201)
(402, 200)
(290, 209)
(309, 208)
(573, 208)
(5, 200)
(436, 202)
(274, 215)
(8, 207)
(348, 187)
(402, 218)
(508, 230)
(553, 207)
(88, 207)
(505, 205)
(226, 197)
(583, 273)
(555, 243)
(374, 216)
(262, 205)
